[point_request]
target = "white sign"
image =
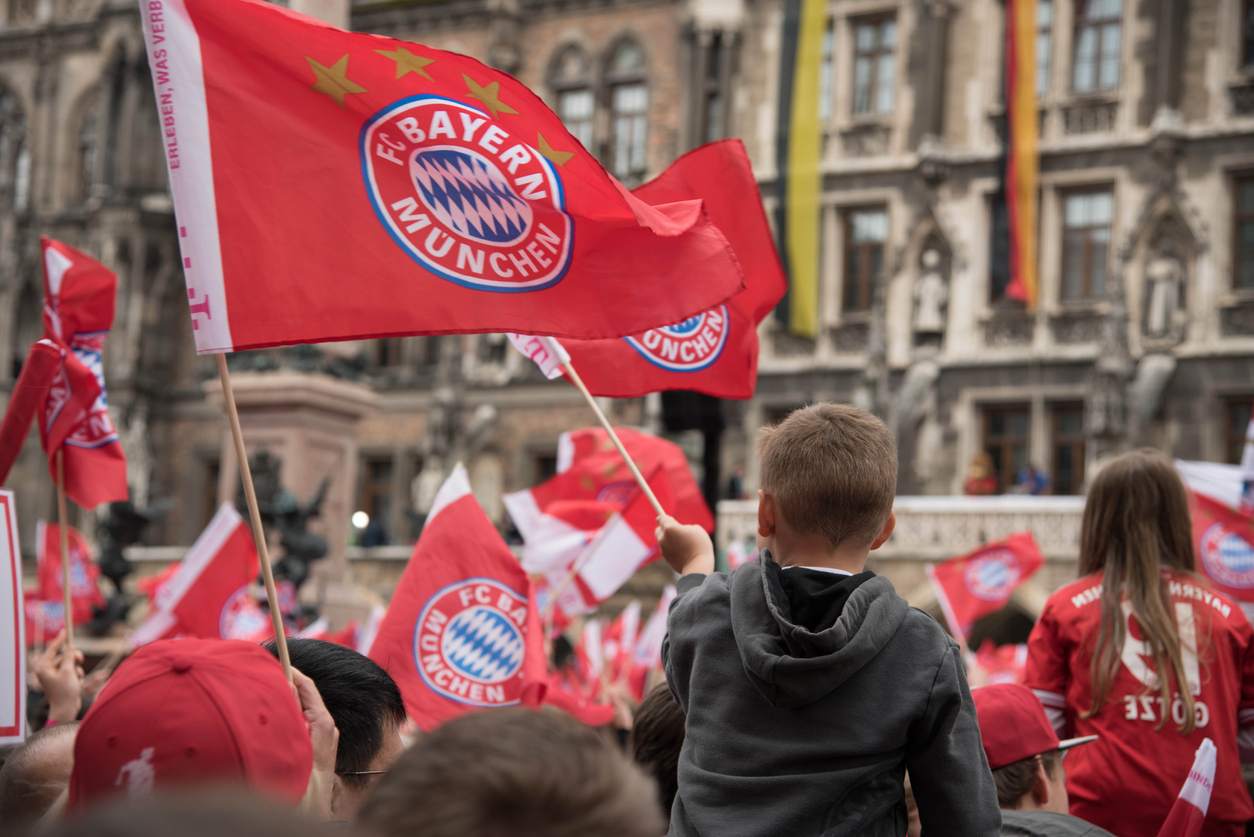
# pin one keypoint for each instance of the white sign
(12, 629)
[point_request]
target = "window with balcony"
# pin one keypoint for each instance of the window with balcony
(865, 232)
(573, 99)
(1095, 50)
(1068, 449)
(1087, 216)
(874, 65)
(1005, 430)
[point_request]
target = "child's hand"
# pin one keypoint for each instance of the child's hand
(688, 549)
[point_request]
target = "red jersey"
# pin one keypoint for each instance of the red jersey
(1127, 780)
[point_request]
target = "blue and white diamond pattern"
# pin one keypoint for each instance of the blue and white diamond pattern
(470, 196)
(483, 644)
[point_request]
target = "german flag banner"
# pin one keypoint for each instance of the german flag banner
(334, 185)
(798, 147)
(1022, 159)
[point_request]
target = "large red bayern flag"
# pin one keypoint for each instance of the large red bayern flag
(331, 185)
(981, 582)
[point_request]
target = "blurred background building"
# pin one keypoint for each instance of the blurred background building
(1144, 333)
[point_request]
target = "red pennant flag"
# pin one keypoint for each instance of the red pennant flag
(85, 595)
(78, 313)
(716, 351)
(1188, 813)
(1224, 540)
(647, 655)
(445, 193)
(981, 582)
(461, 632)
(210, 595)
(590, 456)
(43, 360)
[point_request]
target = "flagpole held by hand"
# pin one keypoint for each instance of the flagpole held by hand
(62, 529)
(254, 516)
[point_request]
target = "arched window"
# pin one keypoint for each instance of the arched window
(14, 154)
(629, 111)
(571, 83)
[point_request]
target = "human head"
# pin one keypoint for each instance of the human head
(1136, 524)
(35, 774)
(193, 712)
(1022, 749)
(366, 706)
(512, 771)
(657, 734)
(829, 473)
(192, 814)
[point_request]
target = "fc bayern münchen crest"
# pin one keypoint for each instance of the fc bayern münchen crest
(1228, 559)
(993, 576)
(688, 346)
(467, 199)
(468, 643)
(241, 617)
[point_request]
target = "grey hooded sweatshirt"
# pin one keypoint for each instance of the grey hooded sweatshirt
(808, 696)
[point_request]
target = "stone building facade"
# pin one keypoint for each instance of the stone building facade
(1144, 333)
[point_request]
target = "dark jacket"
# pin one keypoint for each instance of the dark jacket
(808, 696)
(1047, 824)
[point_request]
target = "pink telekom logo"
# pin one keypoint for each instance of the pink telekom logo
(466, 199)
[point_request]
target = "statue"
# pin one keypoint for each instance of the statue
(931, 295)
(121, 526)
(282, 511)
(1164, 283)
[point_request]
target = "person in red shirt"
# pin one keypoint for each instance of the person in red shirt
(1143, 653)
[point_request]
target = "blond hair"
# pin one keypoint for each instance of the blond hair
(832, 470)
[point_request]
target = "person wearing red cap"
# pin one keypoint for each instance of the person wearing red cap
(1026, 757)
(199, 712)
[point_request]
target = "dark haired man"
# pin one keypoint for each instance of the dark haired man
(368, 711)
(656, 739)
(1026, 759)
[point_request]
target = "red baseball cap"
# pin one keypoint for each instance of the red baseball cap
(187, 711)
(1013, 725)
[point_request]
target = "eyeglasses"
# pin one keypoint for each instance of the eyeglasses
(360, 772)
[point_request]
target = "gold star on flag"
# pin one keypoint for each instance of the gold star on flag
(407, 62)
(557, 158)
(489, 94)
(334, 80)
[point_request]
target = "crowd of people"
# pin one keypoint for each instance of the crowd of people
(803, 696)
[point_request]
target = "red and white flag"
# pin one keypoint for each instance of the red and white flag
(448, 195)
(647, 655)
(85, 595)
(622, 546)
(982, 581)
(992, 664)
(461, 632)
(1224, 540)
(620, 641)
(12, 635)
(1188, 813)
(211, 595)
(545, 352)
(43, 361)
(78, 313)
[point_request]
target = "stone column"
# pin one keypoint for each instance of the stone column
(309, 423)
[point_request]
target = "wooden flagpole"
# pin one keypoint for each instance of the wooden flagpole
(67, 592)
(254, 515)
(570, 373)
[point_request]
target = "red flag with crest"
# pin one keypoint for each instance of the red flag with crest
(982, 581)
(715, 351)
(85, 592)
(447, 195)
(1224, 540)
(461, 632)
(78, 313)
(43, 361)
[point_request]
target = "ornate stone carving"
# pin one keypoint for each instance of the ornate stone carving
(1090, 117)
(869, 139)
(787, 344)
(1242, 94)
(1008, 327)
(1237, 319)
(1165, 316)
(1076, 327)
(931, 297)
(851, 336)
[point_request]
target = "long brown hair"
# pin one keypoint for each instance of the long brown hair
(1136, 523)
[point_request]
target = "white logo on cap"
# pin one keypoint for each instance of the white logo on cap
(137, 775)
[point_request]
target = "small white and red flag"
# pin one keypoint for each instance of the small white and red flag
(1188, 813)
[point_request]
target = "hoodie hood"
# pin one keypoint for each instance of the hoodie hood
(791, 665)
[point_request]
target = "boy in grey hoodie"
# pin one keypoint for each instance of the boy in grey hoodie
(809, 686)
